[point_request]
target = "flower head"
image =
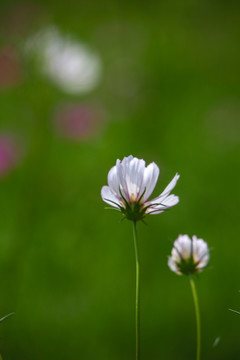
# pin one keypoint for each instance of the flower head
(188, 256)
(130, 184)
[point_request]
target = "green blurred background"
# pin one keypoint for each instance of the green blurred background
(166, 90)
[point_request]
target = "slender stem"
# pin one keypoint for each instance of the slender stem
(197, 313)
(137, 314)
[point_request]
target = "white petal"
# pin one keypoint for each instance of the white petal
(176, 255)
(120, 171)
(109, 197)
(170, 186)
(152, 211)
(150, 178)
(203, 262)
(165, 204)
(173, 266)
(184, 246)
(163, 200)
(168, 189)
(113, 180)
(200, 252)
(170, 201)
(134, 177)
(127, 158)
(130, 174)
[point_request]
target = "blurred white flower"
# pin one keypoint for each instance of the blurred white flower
(188, 256)
(71, 65)
(130, 183)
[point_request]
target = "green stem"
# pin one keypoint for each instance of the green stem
(197, 313)
(137, 314)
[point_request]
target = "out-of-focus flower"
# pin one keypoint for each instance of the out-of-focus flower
(71, 65)
(130, 183)
(188, 256)
(10, 70)
(78, 122)
(10, 153)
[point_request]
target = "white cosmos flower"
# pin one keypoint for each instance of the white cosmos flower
(130, 184)
(188, 256)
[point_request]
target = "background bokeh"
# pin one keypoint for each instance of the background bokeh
(83, 83)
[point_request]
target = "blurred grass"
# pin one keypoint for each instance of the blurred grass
(170, 89)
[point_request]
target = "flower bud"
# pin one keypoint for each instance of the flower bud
(188, 256)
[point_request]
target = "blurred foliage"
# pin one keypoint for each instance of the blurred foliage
(170, 94)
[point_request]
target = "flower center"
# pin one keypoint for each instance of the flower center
(133, 199)
(188, 266)
(133, 208)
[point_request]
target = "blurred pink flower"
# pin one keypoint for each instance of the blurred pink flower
(10, 70)
(10, 153)
(78, 122)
